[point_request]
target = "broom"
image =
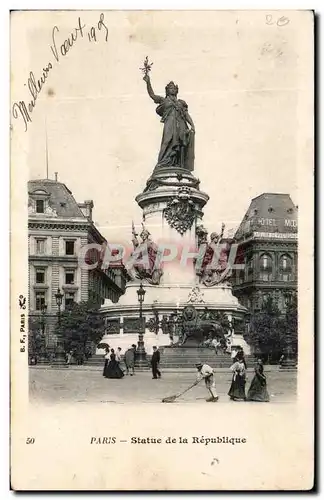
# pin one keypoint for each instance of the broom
(170, 399)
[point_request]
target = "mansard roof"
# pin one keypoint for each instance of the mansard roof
(60, 197)
(269, 213)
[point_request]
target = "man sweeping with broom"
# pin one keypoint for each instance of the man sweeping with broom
(206, 372)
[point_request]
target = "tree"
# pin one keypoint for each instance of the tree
(81, 325)
(266, 334)
(290, 321)
(35, 341)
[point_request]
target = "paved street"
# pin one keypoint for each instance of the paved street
(82, 385)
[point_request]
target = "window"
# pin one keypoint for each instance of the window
(69, 248)
(285, 268)
(69, 277)
(249, 266)
(40, 276)
(40, 206)
(285, 262)
(265, 298)
(240, 276)
(69, 300)
(265, 267)
(265, 262)
(40, 300)
(40, 246)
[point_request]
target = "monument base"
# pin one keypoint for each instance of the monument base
(162, 301)
(188, 357)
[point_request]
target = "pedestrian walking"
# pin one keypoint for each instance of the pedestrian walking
(107, 359)
(206, 372)
(113, 369)
(119, 359)
(215, 344)
(155, 361)
(118, 354)
(129, 359)
(237, 389)
(69, 357)
(258, 388)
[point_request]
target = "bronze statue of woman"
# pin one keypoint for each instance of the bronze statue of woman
(177, 146)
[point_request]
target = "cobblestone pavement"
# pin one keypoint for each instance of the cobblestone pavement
(81, 386)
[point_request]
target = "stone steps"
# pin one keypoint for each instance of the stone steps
(188, 361)
(183, 358)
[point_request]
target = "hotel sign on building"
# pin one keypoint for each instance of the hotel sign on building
(277, 222)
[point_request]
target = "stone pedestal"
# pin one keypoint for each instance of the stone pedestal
(172, 204)
(140, 357)
(60, 359)
(172, 207)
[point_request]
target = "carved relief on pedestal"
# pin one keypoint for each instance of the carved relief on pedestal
(133, 325)
(144, 263)
(214, 268)
(180, 212)
(196, 296)
(112, 326)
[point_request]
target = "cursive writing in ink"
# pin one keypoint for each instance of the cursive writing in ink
(21, 109)
(281, 21)
(101, 25)
(59, 48)
(68, 42)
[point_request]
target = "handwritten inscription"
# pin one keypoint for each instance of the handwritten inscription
(68, 43)
(60, 47)
(281, 21)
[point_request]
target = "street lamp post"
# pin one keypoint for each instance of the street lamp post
(141, 354)
(289, 363)
(59, 352)
(42, 354)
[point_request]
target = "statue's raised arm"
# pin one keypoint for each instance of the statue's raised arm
(177, 145)
(156, 98)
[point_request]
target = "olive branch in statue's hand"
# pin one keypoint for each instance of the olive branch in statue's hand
(146, 69)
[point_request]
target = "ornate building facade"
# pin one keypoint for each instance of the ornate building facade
(267, 239)
(58, 229)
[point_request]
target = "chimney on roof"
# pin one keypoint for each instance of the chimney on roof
(55, 176)
(86, 209)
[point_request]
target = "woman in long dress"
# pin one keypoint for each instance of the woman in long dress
(237, 389)
(107, 358)
(258, 388)
(113, 369)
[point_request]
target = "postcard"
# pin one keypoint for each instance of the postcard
(162, 334)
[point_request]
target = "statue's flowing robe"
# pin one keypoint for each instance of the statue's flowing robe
(176, 134)
(221, 263)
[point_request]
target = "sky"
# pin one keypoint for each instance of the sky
(241, 73)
